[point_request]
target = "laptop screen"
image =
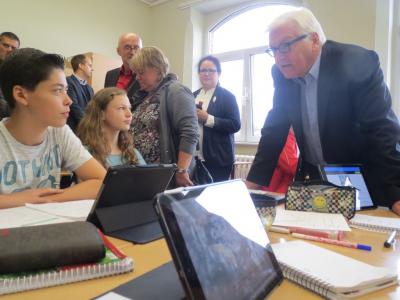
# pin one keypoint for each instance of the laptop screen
(218, 242)
(349, 175)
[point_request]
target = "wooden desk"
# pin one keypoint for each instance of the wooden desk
(150, 256)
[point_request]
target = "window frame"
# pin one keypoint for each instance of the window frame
(245, 137)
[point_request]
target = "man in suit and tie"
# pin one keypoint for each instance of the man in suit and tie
(335, 97)
(123, 77)
(9, 42)
(78, 89)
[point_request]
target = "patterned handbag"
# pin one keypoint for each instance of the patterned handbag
(322, 196)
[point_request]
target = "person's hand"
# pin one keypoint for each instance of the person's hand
(34, 195)
(202, 115)
(396, 207)
(252, 186)
(182, 179)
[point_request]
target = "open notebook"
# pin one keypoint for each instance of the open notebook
(328, 273)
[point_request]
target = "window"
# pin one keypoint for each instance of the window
(240, 42)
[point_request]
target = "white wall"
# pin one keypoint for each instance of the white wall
(74, 26)
(169, 32)
(347, 21)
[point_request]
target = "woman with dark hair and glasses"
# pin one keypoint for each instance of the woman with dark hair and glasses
(219, 119)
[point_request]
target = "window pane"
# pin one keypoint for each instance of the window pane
(246, 30)
(232, 80)
(262, 90)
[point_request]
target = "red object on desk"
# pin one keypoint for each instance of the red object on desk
(286, 168)
(333, 234)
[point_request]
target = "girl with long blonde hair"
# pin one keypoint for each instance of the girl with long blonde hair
(104, 129)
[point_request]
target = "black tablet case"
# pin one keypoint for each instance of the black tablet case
(124, 208)
(161, 283)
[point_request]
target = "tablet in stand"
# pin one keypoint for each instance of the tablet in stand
(124, 206)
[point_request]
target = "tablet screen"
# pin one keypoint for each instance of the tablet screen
(220, 243)
(350, 175)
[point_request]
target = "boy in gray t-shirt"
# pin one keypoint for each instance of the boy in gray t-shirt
(35, 143)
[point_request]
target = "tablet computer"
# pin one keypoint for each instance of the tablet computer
(124, 205)
(218, 243)
(349, 175)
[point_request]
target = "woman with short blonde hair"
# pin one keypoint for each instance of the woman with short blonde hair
(164, 124)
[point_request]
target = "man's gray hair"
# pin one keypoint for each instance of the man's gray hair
(305, 20)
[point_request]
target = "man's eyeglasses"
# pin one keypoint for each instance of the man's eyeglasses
(209, 71)
(285, 47)
(131, 48)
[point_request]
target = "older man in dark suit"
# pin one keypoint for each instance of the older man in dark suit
(335, 97)
(124, 77)
(79, 90)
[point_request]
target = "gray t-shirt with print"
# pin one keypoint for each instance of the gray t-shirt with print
(27, 167)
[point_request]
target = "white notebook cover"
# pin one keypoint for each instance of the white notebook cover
(340, 276)
(376, 223)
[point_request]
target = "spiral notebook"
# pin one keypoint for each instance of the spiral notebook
(113, 263)
(380, 224)
(332, 275)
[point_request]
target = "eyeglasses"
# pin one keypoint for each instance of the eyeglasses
(131, 48)
(209, 71)
(284, 47)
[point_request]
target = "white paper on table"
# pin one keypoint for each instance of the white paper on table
(76, 210)
(25, 216)
(311, 220)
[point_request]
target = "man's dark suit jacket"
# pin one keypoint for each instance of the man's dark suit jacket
(218, 141)
(4, 110)
(79, 101)
(112, 79)
(356, 122)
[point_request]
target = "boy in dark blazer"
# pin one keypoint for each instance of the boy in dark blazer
(79, 90)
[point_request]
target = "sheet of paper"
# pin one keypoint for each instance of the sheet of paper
(112, 296)
(76, 210)
(25, 216)
(311, 220)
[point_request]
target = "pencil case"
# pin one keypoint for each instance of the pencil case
(42, 247)
(321, 196)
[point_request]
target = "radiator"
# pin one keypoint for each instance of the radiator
(242, 166)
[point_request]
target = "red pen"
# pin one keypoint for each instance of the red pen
(336, 235)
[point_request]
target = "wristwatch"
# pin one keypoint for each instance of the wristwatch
(180, 171)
